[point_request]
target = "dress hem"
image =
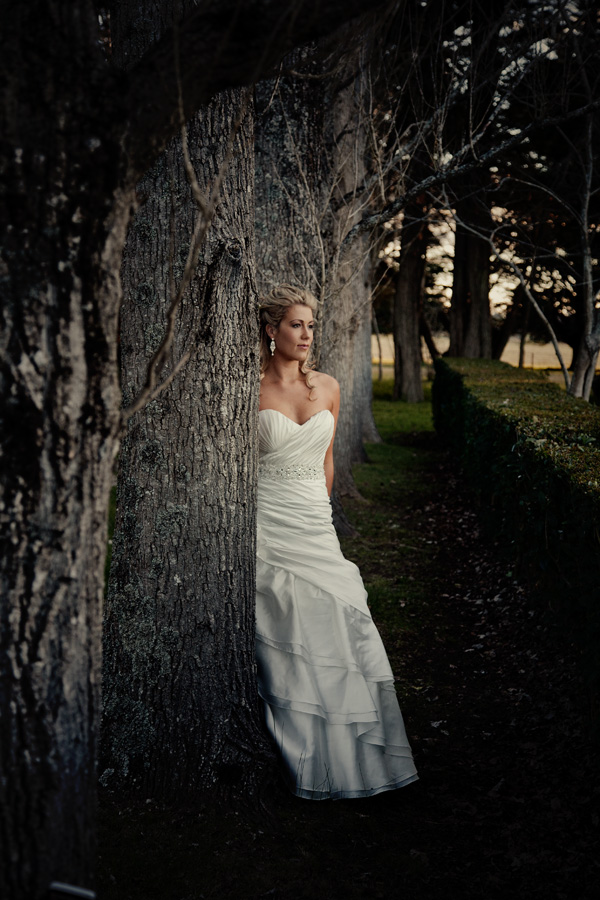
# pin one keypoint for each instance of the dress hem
(305, 794)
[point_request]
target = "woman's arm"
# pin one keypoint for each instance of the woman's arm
(335, 409)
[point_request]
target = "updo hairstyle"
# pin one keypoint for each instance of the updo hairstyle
(272, 308)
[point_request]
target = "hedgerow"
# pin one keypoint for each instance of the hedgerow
(532, 453)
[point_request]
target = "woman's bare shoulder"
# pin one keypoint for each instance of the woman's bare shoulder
(328, 390)
(326, 382)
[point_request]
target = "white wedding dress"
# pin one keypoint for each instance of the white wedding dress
(323, 672)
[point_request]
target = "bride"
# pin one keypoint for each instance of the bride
(323, 673)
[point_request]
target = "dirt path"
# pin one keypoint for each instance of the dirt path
(507, 802)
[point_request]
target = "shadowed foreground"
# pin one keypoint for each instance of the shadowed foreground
(508, 798)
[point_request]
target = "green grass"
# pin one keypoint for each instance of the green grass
(394, 417)
(389, 552)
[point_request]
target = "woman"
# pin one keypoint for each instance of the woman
(323, 672)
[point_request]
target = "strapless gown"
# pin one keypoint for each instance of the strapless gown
(323, 673)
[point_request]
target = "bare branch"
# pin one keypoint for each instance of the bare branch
(455, 169)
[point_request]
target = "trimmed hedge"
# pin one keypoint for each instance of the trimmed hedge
(533, 455)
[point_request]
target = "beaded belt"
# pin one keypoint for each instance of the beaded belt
(291, 473)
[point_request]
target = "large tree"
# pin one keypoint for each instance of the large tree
(76, 136)
(181, 711)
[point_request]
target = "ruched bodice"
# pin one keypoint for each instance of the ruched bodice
(285, 442)
(323, 672)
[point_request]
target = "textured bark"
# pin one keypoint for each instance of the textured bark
(407, 312)
(346, 346)
(292, 178)
(62, 220)
(310, 166)
(181, 707)
(346, 354)
(181, 710)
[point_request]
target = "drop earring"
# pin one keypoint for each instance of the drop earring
(272, 346)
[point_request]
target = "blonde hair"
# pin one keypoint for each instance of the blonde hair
(272, 308)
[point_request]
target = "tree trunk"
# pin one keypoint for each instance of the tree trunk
(181, 706)
(586, 354)
(184, 716)
(470, 318)
(346, 354)
(428, 337)
(63, 220)
(408, 383)
(515, 320)
(310, 146)
(585, 359)
(292, 178)
(379, 351)
(346, 345)
(478, 337)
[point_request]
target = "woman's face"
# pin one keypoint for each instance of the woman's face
(295, 333)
